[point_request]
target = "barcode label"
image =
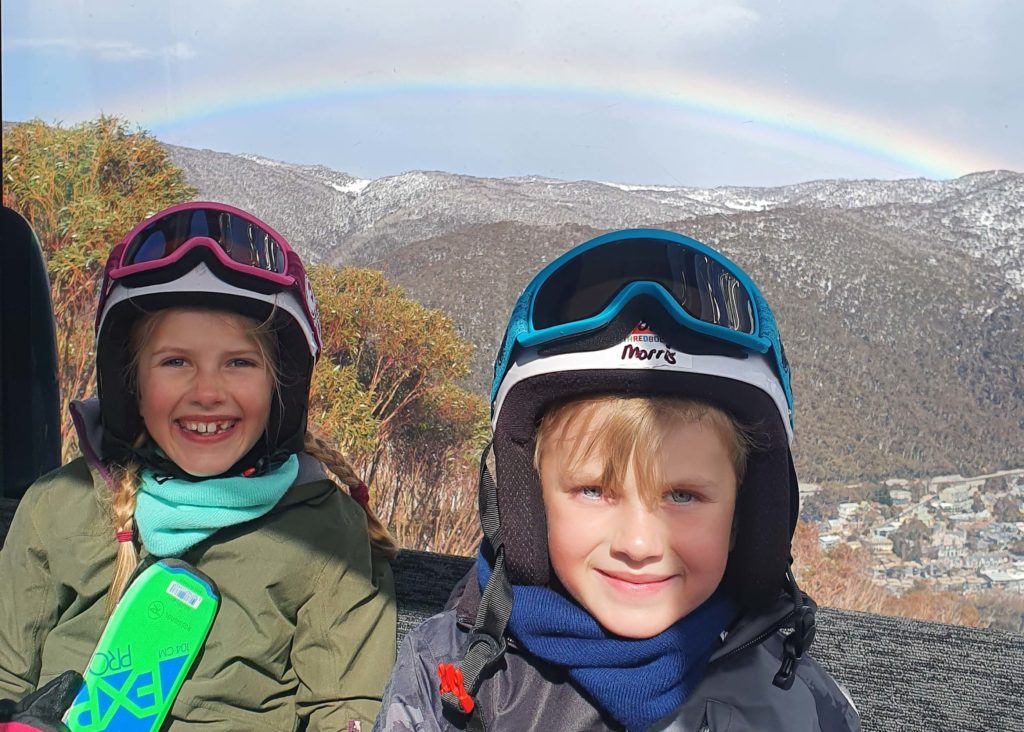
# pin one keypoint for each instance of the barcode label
(184, 594)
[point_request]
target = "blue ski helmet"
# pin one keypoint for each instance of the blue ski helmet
(647, 312)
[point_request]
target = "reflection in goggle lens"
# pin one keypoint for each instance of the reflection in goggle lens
(243, 241)
(702, 286)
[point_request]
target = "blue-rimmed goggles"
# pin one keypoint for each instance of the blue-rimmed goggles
(701, 289)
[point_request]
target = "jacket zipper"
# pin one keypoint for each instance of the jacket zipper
(759, 639)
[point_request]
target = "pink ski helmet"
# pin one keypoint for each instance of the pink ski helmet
(204, 254)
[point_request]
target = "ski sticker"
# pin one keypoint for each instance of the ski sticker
(147, 649)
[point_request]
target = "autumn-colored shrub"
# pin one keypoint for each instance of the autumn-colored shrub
(385, 388)
(83, 188)
(402, 359)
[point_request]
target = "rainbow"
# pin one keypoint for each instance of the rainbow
(776, 117)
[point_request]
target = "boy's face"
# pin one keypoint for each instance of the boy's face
(637, 570)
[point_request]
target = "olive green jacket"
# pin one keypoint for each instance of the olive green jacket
(306, 627)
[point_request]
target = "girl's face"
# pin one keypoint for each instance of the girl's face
(636, 568)
(204, 389)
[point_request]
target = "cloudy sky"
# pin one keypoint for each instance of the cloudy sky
(674, 92)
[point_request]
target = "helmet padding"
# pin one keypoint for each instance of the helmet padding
(766, 506)
(286, 425)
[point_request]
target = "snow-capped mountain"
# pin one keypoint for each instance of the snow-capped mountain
(902, 302)
(333, 216)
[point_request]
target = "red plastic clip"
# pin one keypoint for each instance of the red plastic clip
(361, 493)
(248, 472)
(451, 683)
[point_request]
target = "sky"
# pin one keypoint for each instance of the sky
(664, 92)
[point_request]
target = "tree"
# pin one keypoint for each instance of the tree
(881, 495)
(1007, 510)
(399, 360)
(385, 389)
(907, 539)
(83, 188)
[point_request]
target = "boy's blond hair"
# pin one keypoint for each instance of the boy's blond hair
(633, 429)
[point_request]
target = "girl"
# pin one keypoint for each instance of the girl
(206, 337)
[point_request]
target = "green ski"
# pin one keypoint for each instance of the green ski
(146, 650)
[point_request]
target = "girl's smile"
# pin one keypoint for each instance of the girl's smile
(205, 429)
(204, 388)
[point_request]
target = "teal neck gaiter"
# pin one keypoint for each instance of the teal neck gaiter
(174, 515)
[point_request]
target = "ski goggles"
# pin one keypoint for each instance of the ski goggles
(701, 289)
(241, 242)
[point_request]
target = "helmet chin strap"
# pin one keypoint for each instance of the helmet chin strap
(487, 639)
(257, 461)
(799, 641)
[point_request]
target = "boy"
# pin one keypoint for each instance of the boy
(635, 568)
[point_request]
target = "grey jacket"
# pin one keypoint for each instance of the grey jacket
(525, 693)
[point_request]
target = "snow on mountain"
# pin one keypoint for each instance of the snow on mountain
(902, 301)
(334, 216)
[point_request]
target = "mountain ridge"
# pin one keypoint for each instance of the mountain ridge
(901, 302)
(377, 215)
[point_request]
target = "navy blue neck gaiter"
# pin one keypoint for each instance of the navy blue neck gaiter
(637, 681)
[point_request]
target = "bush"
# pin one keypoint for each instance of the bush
(83, 188)
(384, 389)
(394, 363)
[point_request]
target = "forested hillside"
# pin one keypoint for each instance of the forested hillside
(901, 302)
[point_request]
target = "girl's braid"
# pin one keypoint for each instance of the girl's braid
(380, 538)
(122, 508)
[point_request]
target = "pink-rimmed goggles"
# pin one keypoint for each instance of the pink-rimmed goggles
(239, 240)
(241, 243)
